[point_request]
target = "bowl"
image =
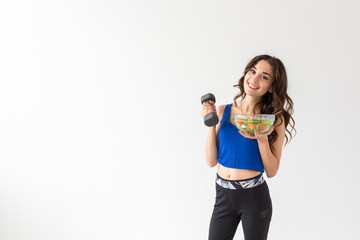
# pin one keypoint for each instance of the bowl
(249, 122)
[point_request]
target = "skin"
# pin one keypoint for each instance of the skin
(257, 82)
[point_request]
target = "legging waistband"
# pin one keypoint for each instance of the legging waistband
(240, 184)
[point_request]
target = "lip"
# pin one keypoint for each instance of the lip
(251, 87)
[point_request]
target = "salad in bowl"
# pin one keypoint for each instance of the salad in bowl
(251, 122)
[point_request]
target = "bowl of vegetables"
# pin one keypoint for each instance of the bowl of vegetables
(251, 122)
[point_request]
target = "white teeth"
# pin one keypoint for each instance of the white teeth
(252, 86)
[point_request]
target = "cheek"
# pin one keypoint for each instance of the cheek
(246, 78)
(266, 86)
(245, 83)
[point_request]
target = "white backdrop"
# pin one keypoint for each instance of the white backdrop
(100, 129)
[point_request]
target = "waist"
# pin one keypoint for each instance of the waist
(236, 174)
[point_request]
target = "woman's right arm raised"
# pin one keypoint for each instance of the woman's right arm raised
(211, 148)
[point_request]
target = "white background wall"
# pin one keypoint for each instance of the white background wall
(100, 129)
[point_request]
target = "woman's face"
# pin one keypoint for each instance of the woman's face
(258, 79)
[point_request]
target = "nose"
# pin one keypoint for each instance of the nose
(256, 78)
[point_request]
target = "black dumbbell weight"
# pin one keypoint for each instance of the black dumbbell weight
(210, 119)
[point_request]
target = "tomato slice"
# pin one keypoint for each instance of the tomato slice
(251, 126)
(238, 121)
(261, 127)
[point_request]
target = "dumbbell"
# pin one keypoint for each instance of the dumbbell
(210, 119)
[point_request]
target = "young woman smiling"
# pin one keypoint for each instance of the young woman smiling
(241, 190)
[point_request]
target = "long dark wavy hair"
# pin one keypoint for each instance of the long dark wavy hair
(275, 101)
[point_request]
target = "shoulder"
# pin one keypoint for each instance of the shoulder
(220, 110)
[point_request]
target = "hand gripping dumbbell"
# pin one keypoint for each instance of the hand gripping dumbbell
(210, 119)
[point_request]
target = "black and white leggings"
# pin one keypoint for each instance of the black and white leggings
(247, 201)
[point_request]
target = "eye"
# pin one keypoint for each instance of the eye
(252, 71)
(264, 77)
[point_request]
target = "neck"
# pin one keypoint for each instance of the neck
(247, 105)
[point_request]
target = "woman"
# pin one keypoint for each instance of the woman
(241, 191)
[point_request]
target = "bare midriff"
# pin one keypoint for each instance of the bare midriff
(236, 174)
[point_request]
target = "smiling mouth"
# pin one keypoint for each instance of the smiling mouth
(252, 86)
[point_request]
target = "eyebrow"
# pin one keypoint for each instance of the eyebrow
(263, 72)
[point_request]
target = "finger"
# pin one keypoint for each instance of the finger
(209, 109)
(270, 130)
(245, 134)
(210, 106)
(251, 136)
(241, 132)
(206, 104)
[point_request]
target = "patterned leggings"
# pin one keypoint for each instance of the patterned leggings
(247, 201)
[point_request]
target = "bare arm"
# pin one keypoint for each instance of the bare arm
(211, 148)
(271, 159)
(212, 141)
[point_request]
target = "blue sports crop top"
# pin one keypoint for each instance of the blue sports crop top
(236, 151)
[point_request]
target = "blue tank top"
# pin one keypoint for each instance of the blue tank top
(236, 151)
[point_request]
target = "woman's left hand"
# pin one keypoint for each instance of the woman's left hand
(258, 136)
